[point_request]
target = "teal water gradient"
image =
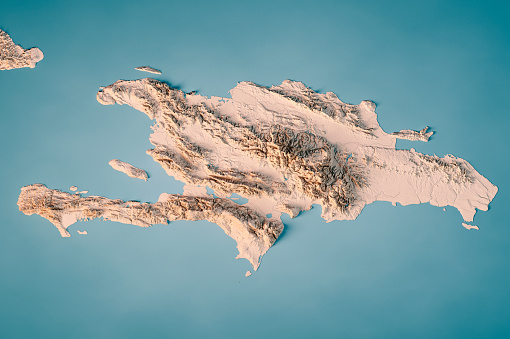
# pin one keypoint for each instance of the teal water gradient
(395, 272)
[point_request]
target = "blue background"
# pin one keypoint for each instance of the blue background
(394, 272)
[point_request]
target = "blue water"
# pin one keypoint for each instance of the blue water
(395, 272)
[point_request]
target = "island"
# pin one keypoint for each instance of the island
(470, 227)
(148, 69)
(13, 56)
(128, 169)
(284, 148)
(287, 147)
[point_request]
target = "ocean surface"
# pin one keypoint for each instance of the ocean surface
(395, 272)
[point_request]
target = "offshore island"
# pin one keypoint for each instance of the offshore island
(13, 56)
(284, 148)
(128, 169)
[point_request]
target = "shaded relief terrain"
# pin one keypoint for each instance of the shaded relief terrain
(14, 56)
(284, 148)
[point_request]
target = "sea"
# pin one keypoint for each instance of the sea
(395, 272)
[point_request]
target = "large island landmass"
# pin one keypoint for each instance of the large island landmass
(284, 148)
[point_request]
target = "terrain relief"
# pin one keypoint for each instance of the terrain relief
(283, 148)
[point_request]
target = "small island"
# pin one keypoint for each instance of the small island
(148, 69)
(13, 56)
(128, 169)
